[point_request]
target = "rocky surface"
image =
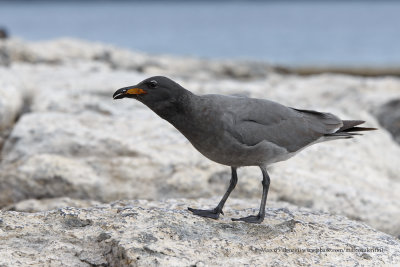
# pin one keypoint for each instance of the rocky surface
(35, 205)
(142, 233)
(64, 51)
(11, 102)
(64, 138)
(389, 117)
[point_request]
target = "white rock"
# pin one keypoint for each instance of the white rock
(11, 104)
(35, 205)
(389, 117)
(67, 50)
(80, 143)
(141, 233)
(83, 156)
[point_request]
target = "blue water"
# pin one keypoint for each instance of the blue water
(285, 32)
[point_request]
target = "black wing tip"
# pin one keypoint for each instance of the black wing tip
(359, 129)
(351, 126)
(350, 132)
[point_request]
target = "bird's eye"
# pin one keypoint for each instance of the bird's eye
(153, 84)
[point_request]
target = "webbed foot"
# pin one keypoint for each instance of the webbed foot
(250, 219)
(213, 214)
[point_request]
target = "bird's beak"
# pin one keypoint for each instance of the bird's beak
(127, 91)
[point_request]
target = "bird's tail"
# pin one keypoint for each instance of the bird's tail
(349, 129)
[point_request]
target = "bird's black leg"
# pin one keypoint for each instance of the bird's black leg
(261, 214)
(214, 213)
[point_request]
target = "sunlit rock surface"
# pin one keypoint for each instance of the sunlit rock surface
(142, 233)
(63, 137)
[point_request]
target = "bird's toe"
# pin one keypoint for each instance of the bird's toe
(250, 219)
(213, 213)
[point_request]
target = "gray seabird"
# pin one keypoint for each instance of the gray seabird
(238, 131)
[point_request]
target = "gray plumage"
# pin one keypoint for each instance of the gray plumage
(238, 131)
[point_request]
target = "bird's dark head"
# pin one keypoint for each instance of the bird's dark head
(159, 93)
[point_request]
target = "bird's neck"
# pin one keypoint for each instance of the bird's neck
(177, 109)
(185, 119)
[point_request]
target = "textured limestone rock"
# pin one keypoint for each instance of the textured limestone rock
(141, 233)
(389, 117)
(10, 104)
(35, 205)
(11, 101)
(83, 156)
(62, 51)
(75, 141)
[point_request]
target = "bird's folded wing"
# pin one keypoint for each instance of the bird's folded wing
(286, 127)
